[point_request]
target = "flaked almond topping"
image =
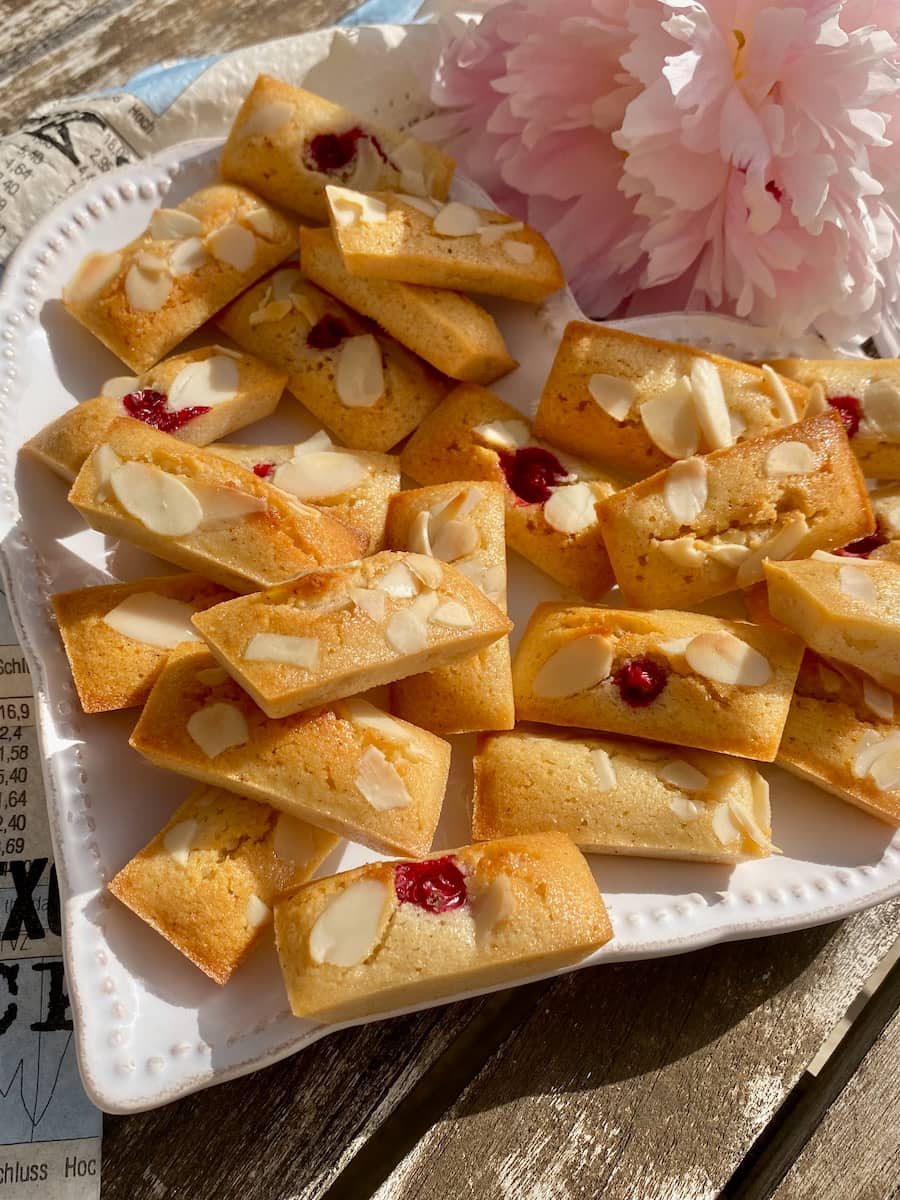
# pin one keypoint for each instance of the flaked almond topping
(266, 119)
(370, 601)
(856, 582)
(728, 554)
(257, 913)
(454, 539)
(233, 245)
(674, 646)
(399, 582)
(784, 405)
(153, 620)
(604, 771)
(426, 570)
(781, 546)
(105, 461)
(147, 292)
(349, 207)
(571, 509)
(493, 906)
(212, 676)
(178, 840)
(885, 770)
(207, 383)
(503, 435)
(709, 404)
(456, 220)
(670, 422)
(407, 630)
(580, 664)
(724, 827)
(366, 716)
(223, 504)
(724, 658)
(496, 231)
(218, 727)
(429, 207)
(379, 782)
(887, 509)
(172, 224)
(519, 252)
(614, 395)
(881, 408)
(359, 374)
(270, 312)
(686, 489)
(825, 556)
(419, 538)
(312, 445)
(348, 928)
(163, 503)
(320, 475)
(152, 264)
(409, 157)
(261, 222)
(292, 840)
(790, 458)
(119, 386)
(684, 552)
(738, 425)
(187, 257)
(878, 700)
(682, 775)
(283, 648)
(745, 819)
(684, 808)
(453, 614)
(92, 276)
(817, 403)
(367, 167)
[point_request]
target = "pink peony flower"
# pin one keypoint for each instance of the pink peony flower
(735, 155)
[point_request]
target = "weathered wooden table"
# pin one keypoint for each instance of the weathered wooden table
(670, 1080)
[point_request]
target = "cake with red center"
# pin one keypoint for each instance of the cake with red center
(634, 403)
(368, 389)
(208, 880)
(705, 525)
(198, 397)
(144, 299)
(461, 524)
(551, 497)
(388, 935)
(289, 144)
(618, 796)
(675, 677)
(349, 768)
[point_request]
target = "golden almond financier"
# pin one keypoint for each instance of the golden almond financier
(144, 299)
(368, 389)
(204, 513)
(676, 677)
(208, 880)
(462, 524)
(551, 498)
(392, 934)
(336, 633)
(446, 328)
(634, 403)
(354, 486)
(386, 235)
(198, 397)
(348, 768)
(706, 525)
(866, 392)
(617, 796)
(843, 608)
(117, 636)
(288, 144)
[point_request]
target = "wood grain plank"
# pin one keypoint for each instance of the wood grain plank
(647, 1079)
(104, 44)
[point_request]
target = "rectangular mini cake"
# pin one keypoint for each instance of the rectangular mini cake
(551, 498)
(389, 935)
(446, 328)
(388, 235)
(843, 608)
(353, 485)
(208, 880)
(368, 389)
(337, 633)
(198, 397)
(144, 299)
(617, 796)
(288, 143)
(704, 526)
(117, 636)
(350, 768)
(675, 677)
(634, 403)
(463, 524)
(843, 733)
(866, 392)
(202, 512)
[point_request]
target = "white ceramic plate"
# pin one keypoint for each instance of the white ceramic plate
(150, 1027)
